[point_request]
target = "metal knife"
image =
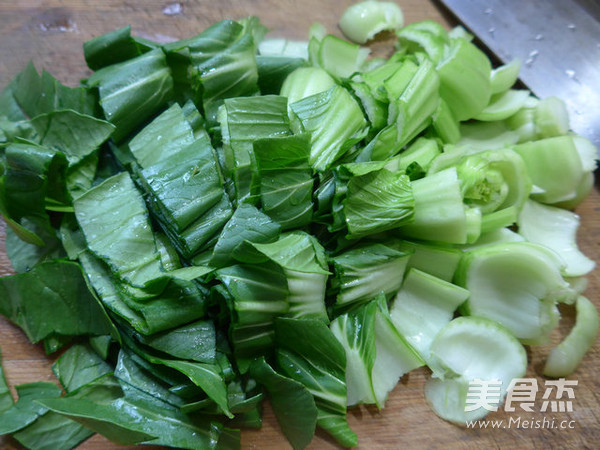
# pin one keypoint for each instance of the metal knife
(558, 43)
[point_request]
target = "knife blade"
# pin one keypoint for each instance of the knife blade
(558, 43)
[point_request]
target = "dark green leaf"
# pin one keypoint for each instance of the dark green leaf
(12, 131)
(110, 48)
(309, 353)
(33, 174)
(52, 298)
(210, 42)
(229, 74)
(180, 301)
(297, 251)
(30, 95)
(202, 233)
(81, 176)
(72, 237)
(27, 409)
(247, 225)
(186, 185)
(162, 138)
(286, 182)
(196, 342)
(74, 134)
(55, 342)
(297, 423)
(335, 122)
(378, 201)
(138, 417)
(24, 256)
(134, 378)
(115, 222)
(168, 254)
(256, 294)
(9, 107)
(133, 91)
(101, 345)
(115, 421)
(273, 70)
(243, 399)
(220, 62)
(52, 432)
(244, 120)
(78, 366)
(205, 376)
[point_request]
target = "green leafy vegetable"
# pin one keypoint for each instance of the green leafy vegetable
(79, 366)
(256, 295)
(33, 175)
(247, 225)
(356, 332)
(298, 425)
(335, 122)
(196, 342)
(133, 90)
(27, 409)
(31, 94)
(131, 251)
(52, 298)
(304, 265)
(364, 272)
(209, 221)
(309, 353)
(51, 432)
(23, 255)
(378, 201)
(223, 60)
(111, 48)
(243, 121)
(286, 184)
(180, 302)
(72, 133)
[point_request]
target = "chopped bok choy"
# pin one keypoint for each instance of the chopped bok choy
(210, 222)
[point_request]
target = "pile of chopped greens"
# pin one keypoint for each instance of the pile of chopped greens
(211, 222)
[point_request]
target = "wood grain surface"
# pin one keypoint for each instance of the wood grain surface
(51, 33)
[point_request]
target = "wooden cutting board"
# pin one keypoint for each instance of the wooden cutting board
(51, 33)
